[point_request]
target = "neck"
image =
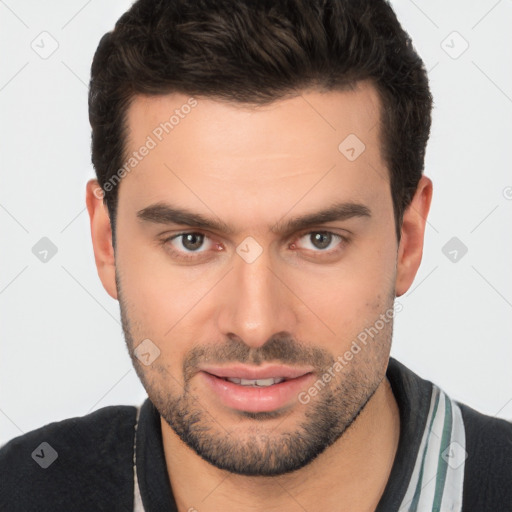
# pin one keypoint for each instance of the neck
(350, 475)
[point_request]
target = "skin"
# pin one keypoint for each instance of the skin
(251, 167)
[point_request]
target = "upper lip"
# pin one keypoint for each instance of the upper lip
(256, 372)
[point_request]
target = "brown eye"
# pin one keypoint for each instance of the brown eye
(321, 240)
(192, 241)
(188, 244)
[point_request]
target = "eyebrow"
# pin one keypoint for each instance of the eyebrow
(164, 213)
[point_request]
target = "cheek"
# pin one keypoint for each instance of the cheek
(162, 303)
(149, 287)
(354, 292)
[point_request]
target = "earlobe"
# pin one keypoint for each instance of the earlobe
(410, 250)
(101, 234)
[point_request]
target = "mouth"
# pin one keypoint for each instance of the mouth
(255, 389)
(261, 383)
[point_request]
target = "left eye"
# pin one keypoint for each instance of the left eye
(320, 240)
(191, 242)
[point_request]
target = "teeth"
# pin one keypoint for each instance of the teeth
(256, 382)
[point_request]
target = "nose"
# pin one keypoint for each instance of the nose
(256, 303)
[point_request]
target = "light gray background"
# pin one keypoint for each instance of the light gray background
(62, 352)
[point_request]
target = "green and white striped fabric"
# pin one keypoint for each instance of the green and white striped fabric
(437, 480)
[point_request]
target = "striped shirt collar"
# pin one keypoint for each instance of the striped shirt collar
(427, 473)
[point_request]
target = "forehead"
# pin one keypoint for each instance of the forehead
(200, 148)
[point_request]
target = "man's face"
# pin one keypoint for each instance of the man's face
(253, 295)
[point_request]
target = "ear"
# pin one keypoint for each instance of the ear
(101, 234)
(410, 249)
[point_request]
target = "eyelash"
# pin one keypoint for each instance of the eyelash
(343, 240)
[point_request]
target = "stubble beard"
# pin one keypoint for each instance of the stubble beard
(264, 447)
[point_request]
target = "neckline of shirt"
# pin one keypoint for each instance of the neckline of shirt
(152, 489)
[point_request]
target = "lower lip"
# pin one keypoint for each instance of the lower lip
(257, 399)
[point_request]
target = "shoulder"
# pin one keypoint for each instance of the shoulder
(488, 466)
(81, 463)
(487, 479)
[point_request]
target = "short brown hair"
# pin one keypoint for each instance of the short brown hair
(258, 51)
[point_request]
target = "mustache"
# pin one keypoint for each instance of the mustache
(281, 348)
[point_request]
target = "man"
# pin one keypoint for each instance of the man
(259, 205)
